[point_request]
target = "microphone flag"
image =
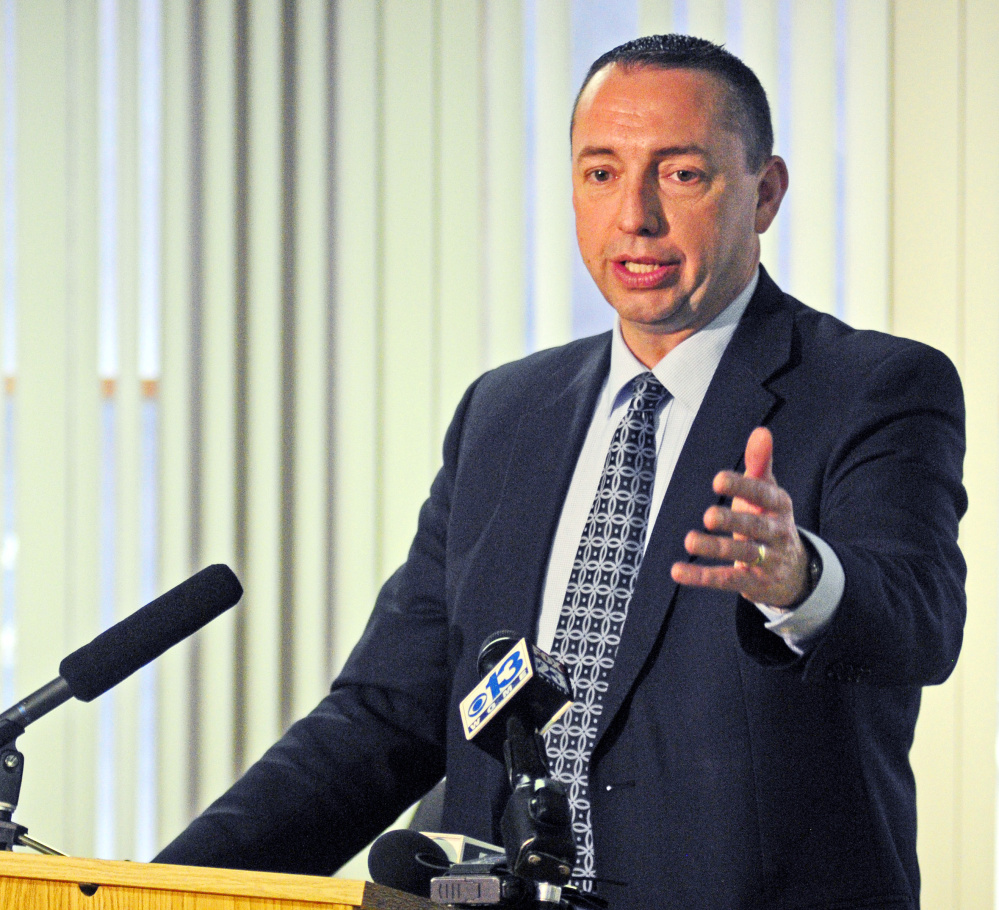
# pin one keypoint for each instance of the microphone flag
(525, 681)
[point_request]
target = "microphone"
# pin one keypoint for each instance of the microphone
(494, 648)
(407, 861)
(518, 679)
(522, 693)
(130, 644)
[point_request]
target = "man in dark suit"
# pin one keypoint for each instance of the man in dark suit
(750, 741)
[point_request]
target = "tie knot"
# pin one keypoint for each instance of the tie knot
(648, 393)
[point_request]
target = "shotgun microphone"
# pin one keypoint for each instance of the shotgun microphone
(128, 645)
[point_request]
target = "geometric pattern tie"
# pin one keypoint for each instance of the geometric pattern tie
(596, 603)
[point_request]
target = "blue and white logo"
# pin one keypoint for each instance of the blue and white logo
(504, 681)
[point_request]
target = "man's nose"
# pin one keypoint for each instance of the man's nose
(641, 208)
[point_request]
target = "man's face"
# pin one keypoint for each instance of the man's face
(667, 211)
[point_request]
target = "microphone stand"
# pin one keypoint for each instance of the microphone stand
(11, 774)
(539, 848)
(536, 823)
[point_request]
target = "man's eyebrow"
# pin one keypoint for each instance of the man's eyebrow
(597, 151)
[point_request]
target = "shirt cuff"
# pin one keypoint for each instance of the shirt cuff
(802, 626)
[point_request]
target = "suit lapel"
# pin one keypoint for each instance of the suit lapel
(543, 456)
(737, 401)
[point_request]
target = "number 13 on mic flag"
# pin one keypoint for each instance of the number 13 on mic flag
(527, 682)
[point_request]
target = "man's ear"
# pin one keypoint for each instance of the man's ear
(770, 191)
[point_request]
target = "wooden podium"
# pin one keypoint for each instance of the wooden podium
(29, 882)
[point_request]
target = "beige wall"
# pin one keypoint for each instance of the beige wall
(332, 280)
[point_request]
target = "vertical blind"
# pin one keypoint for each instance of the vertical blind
(253, 252)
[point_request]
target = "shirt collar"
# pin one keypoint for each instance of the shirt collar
(687, 370)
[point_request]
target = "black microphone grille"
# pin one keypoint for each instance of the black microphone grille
(132, 643)
(407, 861)
(494, 647)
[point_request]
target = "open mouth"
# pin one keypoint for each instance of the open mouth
(644, 273)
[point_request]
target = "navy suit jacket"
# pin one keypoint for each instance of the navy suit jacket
(728, 772)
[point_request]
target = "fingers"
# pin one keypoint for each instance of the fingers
(760, 454)
(737, 537)
(755, 539)
(777, 580)
(727, 549)
(763, 527)
(745, 491)
(724, 578)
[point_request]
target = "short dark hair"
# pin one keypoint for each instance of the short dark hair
(748, 109)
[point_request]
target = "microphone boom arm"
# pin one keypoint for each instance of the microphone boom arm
(28, 710)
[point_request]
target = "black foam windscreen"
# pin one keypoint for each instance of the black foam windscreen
(132, 643)
(494, 647)
(407, 861)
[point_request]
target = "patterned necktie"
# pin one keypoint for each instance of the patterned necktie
(596, 602)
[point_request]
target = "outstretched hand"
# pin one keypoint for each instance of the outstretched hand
(755, 539)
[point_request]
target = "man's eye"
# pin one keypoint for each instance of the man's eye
(599, 175)
(684, 176)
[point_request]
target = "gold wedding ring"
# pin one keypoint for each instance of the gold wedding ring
(761, 555)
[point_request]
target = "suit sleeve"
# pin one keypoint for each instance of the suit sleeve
(889, 506)
(372, 747)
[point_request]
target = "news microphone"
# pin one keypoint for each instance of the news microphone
(407, 861)
(495, 647)
(130, 644)
(518, 679)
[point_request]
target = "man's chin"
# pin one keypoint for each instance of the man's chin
(656, 317)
